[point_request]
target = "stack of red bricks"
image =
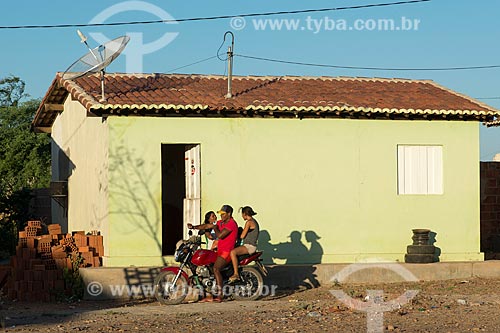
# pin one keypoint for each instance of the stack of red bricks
(90, 247)
(37, 268)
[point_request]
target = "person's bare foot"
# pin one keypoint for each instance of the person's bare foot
(207, 299)
(211, 299)
(234, 278)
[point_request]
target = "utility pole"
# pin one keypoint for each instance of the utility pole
(230, 51)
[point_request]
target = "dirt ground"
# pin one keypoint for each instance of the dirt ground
(471, 305)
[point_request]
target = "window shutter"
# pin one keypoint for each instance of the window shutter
(420, 169)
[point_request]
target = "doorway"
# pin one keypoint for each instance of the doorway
(180, 165)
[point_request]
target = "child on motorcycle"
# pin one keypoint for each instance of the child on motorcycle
(211, 239)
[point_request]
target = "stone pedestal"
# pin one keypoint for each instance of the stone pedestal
(420, 251)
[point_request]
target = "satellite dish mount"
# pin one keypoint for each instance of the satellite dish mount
(96, 60)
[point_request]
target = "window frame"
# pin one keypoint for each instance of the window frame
(420, 169)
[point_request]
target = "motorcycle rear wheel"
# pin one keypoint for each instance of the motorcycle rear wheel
(168, 294)
(252, 285)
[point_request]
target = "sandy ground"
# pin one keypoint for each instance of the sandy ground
(471, 305)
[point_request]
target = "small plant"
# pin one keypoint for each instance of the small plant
(2, 315)
(72, 278)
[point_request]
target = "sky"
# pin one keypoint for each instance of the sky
(434, 34)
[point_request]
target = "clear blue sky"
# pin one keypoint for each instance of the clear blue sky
(450, 34)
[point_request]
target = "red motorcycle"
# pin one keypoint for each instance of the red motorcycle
(173, 284)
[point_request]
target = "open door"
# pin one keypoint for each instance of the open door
(180, 192)
(192, 202)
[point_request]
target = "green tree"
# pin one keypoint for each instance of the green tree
(24, 160)
(11, 91)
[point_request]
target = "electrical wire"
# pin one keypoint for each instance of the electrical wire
(218, 51)
(366, 68)
(194, 63)
(208, 18)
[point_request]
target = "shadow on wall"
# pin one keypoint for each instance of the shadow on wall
(432, 241)
(139, 279)
(62, 170)
(132, 195)
(295, 253)
(64, 164)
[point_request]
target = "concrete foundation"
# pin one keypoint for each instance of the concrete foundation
(136, 282)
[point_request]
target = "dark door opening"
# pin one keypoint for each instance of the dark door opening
(173, 190)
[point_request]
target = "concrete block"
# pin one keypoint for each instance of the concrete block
(54, 229)
(37, 285)
(83, 249)
(59, 285)
(39, 267)
(30, 242)
(28, 275)
(52, 275)
(119, 277)
(38, 275)
(35, 223)
(486, 269)
(26, 254)
(60, 263)
(99, 240)
(92, 241)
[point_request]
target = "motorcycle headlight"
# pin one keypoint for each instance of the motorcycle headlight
(177, 254)
(181, 254)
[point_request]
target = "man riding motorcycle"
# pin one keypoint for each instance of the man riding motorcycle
(226, 231)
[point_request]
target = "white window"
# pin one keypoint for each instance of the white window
(420, 169)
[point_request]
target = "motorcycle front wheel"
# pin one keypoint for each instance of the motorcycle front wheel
(166, 292)
(251, 287)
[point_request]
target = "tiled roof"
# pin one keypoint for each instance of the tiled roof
(204, 95)
(493, 123)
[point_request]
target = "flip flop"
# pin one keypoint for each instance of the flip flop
(217, 300)
(206, 300)
(234, 280)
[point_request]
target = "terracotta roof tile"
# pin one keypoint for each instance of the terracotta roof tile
(285, 96)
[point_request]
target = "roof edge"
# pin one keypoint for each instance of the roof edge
(42, 121)
(470, 99)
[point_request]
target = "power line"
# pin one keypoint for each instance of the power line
(366, 68)
(335, 66)
(498, 97)
(194, 63)
(207, 18)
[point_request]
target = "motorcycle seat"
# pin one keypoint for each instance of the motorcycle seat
(244, 256)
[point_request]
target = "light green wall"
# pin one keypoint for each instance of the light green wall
(335, 177)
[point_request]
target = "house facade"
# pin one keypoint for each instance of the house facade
(339, 169)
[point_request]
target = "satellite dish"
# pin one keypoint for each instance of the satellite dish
(96, 60)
